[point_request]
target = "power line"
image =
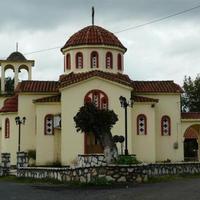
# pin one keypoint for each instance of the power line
(131, 28)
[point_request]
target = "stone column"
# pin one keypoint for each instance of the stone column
(5, 164)
(16, 76)
(2, 79)
(29, 74)
(22, 159)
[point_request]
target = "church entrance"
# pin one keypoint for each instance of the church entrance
(100, 99)
(191, 144)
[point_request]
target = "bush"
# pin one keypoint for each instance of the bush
(32, 154)
(127, 160)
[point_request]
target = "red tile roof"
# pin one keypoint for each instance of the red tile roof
(93, 35)
(10, 104)
(144, 99)
(156, 87)
(190, 115)
(55, 98)
(38, 86)
(73, 78)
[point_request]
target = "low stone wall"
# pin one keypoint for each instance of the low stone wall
(91, 160)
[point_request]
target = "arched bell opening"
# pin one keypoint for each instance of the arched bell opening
(8, 79)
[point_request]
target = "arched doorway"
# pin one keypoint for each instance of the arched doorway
(100, 99)
(191, 137)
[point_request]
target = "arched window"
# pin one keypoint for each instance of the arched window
(79, 60)
(7, 128)
(98, 97)
(119, 62)
(48, 125)
(165, 125)
(109, 60)
(141, 124)
(94, 60)
(68, 61)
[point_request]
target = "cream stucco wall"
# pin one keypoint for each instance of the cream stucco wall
(169, 104)
(72, 98)
(144, 146)
(9, 145)
(86, 51)
(47, 146)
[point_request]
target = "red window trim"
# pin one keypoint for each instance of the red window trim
(77, 55)
(7, 128)
(46, 116)
(145, 124)
(162, 119)
(68, 61)
(91, 56)
(119, 61)
(109, 54)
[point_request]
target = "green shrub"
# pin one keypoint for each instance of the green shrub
(127, 160)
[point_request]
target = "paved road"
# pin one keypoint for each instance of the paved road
(180, 189)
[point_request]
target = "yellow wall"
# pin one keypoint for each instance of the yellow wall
(144, 145)
(47, 146)
(72, 143)
(10, 145)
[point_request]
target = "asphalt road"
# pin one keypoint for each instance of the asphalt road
(180, 189)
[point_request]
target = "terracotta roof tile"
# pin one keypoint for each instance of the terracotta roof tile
(55, 98)
(73, 78)
(37, 86)
(144, 99)
(93, 35)
(156, 87)
(190, 115)
(10, 104)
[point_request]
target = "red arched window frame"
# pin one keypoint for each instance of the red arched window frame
(7, 128)
(98, 97)
(165, 126)
(68, 61)
(141, 124)
(94, 60)
(49, 124)
(109, 60)
(119, 61)
(79, 60)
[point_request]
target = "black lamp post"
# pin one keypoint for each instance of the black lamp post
(19, 121)
(124, 104)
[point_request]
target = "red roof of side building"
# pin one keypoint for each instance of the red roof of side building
(93, 35)
(144, 99)
(72, 78)
(190, 115)
(55, 98)
(156, 87)
(38, 86)
(10, 104)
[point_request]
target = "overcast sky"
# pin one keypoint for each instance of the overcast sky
(167, 50)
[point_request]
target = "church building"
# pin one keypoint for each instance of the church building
(93, 72)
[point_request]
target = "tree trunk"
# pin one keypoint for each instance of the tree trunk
(110, 148)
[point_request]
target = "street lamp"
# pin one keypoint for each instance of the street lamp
(124, 104)
(19, 121)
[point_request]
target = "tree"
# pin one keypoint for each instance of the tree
(92, 120)
(191, 98)
(9, 85)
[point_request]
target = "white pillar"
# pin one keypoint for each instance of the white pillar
(29, 74)
(16, 77)
(2, 79)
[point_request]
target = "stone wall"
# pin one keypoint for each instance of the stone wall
(116, 173)
(91, 160)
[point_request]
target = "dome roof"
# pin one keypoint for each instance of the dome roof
(16, 56)
(93, 35)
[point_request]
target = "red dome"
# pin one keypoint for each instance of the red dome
(93, 35)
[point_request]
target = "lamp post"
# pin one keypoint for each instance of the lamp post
(19, 121)
(124, 104)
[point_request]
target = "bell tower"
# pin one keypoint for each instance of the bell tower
(15, 61)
